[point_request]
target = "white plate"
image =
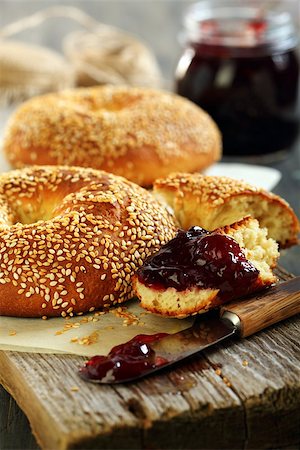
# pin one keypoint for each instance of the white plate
(261, 176)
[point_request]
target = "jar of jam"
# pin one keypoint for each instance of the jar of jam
(240, 64)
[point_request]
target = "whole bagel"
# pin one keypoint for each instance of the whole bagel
(72, 238)
(138, 133)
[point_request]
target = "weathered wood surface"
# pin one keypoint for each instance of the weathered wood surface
(260, 409)
(242, 394)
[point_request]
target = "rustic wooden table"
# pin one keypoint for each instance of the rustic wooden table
(196, 406)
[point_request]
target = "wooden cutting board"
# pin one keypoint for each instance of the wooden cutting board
(241, 394)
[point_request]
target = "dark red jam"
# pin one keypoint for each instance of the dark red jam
(250, 90)
(126, 361)
(197, 258)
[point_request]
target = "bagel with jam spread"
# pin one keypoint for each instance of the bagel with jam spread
(199, 270)
(228, 252)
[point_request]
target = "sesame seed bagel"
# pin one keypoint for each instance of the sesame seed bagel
(138, 133)
(214, 201)
(72, 238)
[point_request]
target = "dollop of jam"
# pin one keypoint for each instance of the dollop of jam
(202, 259)
(125, 361)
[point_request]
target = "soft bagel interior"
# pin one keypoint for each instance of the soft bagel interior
(214, 201)
(258, 248)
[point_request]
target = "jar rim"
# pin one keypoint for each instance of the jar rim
(232, 23)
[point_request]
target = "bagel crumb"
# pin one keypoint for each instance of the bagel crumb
(86, 319)
(87, 340)
(74, 389)
(128, 317)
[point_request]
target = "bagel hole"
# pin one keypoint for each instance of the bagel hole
(32, 210)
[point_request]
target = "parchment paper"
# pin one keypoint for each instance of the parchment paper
(86, 335)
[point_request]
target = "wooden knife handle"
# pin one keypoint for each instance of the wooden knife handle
(273, 305)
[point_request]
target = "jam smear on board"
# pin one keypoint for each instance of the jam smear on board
(125, 361)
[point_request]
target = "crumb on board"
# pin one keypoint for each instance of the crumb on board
(224, 379)
(120, 312)
(74, 389)
(86, 319)
(86, 340)
(12, 332)
(128, 317)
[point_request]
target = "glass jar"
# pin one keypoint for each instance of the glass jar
(240, 64)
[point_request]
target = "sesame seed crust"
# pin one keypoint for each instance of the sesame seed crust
(216, 201)
(140, 134)
(72, 238)
(210, 189)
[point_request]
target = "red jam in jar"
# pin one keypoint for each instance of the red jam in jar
(240, 64)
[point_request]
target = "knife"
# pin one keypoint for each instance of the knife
(242, 318)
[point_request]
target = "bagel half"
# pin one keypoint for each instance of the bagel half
(260, 251)
(214, 201)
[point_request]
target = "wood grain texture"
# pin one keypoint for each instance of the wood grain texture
(213, 401)
(115, 417)
(244, 416)
(264, 370)
(14, 426)
(271, 306)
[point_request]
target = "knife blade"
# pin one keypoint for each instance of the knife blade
(242, 318)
